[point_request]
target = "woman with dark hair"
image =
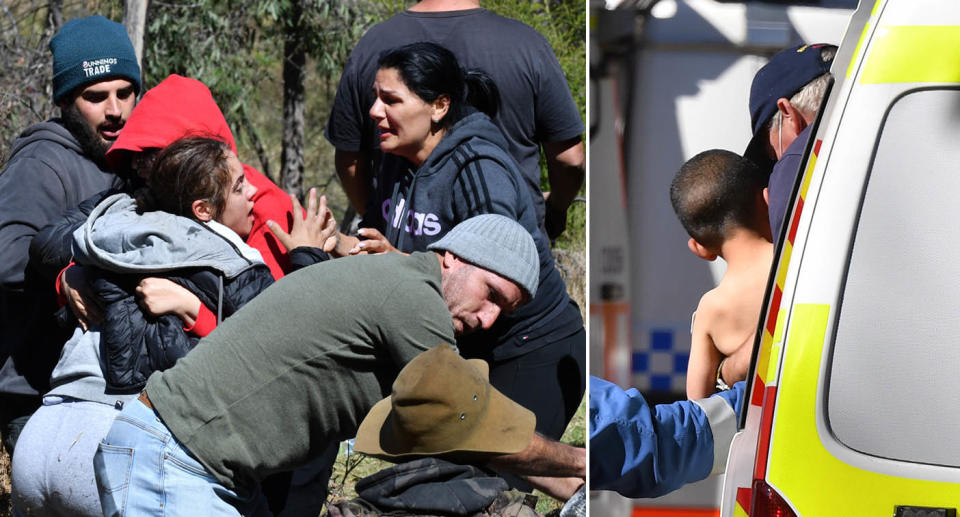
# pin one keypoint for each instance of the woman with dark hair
(445, 162)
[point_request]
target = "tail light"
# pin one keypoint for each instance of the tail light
(767, 502)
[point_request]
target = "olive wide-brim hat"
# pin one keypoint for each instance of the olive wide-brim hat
(444, 405)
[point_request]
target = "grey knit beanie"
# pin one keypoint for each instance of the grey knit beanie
(89, 50)
(498, 244)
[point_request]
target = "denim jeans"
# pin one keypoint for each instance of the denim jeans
(142, 469)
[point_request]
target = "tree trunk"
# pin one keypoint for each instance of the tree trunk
(54, 15)
(294, 63)
(254, 136)
(135, 20)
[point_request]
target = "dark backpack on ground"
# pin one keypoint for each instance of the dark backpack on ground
(434, 487)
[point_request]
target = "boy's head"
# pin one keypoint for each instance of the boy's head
(715, 193)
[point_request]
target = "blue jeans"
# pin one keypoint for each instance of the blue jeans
(142, 469)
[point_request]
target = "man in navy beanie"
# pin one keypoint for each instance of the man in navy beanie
(53, 166)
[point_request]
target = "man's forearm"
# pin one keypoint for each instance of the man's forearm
(566, 165)
(566, 168)
(544, 457)
(560, 489)
(354, 173)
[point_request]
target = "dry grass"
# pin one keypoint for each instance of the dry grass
(6, 508)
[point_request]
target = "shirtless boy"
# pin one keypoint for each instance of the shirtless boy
(720, 200)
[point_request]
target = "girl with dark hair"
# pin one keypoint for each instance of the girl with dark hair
(188, 226)
(191, 220)
(445, 162)
(166, 267)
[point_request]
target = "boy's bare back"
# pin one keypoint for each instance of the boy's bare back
(719, 198)
(726, 318)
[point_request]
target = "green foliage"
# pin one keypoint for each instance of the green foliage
(236, 48)
(563, 23)
(207, 40)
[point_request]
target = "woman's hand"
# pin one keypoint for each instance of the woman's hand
(317, 228)
(76, 290)
(375, 243)
(160, 296)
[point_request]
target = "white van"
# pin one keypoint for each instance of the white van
(854, 394)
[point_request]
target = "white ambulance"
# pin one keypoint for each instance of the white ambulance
(854, 394)
(667, 83)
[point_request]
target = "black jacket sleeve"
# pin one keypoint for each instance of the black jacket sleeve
(134, 344)
(304, 256)
(52, 248)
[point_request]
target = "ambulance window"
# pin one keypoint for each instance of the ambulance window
(894, 388)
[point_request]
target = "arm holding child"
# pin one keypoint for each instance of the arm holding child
(704, 356)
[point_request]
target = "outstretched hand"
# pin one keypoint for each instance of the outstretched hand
(374, 243)
(317, 228)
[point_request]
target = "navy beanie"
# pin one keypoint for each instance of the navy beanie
(89, 50)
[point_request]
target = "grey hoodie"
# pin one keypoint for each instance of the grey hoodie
(46, 175)
(117, 238)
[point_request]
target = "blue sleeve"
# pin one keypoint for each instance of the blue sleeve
(643, 451)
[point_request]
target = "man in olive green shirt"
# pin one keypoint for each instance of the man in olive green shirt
(300, 365)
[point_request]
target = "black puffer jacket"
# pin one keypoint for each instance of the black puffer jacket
(134, 344)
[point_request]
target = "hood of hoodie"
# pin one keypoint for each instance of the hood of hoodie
(51, 130)
(117, 238)
(475, 125)
(177, 107)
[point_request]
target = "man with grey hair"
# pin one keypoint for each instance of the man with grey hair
(784, 99)
(300, 365)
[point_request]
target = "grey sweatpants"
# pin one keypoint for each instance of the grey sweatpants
(53, 462)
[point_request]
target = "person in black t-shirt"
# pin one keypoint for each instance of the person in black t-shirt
(536, 110)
